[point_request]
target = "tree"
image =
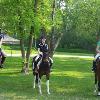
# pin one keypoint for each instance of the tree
(56, 33)
(82, 24)
(22, 16)
(30, 18)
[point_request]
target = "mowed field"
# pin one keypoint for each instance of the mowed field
(71, 79)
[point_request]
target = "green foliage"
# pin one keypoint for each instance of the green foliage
(73, 50)
(81, 23)
(14, 12)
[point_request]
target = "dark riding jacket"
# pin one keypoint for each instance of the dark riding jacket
(43, 47)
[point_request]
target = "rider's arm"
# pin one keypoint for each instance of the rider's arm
(97, 49)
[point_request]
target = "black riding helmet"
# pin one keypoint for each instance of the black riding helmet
(43, 37)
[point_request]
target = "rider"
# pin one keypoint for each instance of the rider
(2, 54)
(42, 48)
(96, 56)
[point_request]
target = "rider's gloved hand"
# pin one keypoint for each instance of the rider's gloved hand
(41, 54)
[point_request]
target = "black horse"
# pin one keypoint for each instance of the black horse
(40, 69)
(97, 77)
(0, 59)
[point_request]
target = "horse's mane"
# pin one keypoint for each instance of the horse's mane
(45, 60)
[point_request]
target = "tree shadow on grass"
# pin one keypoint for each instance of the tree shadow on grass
(69, 87)
(61, 87)
(9, 73)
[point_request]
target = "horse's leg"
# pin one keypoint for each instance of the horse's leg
(37, 78)
(39, 83)
(32, 65)
(95, 83)
(47, 83)
(34, 81)
(99, 88)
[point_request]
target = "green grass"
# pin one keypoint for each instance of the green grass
(71, 79)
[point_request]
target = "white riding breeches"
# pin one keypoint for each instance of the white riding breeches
(97, 55)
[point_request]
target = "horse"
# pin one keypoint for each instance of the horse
(0, 59)
(43, 68)
(97, 77)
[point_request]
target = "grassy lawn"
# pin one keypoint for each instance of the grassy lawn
(71, 79)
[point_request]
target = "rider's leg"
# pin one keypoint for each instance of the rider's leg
(37, 57)
(3, 58)
(34, 63)
(37, 63)
(94, 65)
(94, 62)
(51, 62)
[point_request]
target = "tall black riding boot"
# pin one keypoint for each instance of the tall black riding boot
(94, 66)
(2, 61)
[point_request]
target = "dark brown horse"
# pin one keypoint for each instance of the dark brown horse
(0, 59)
(97, 77)
(40, 69)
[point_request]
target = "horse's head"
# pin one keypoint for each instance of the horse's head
(45, 57)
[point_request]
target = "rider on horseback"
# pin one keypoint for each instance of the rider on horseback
(42, 48)
(96, 56)
(2, 54)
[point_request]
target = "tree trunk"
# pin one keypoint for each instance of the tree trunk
(21, 38)
(23, 54)
(52, 32)
(22, 44)
(29, 48)
(30, 41)
(57, 41)
(54, 42)
(22, 48)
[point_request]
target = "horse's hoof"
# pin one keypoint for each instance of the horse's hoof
(49, 93)
(98, 94)
(95, 91)
(33, 87)
(41, 93)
